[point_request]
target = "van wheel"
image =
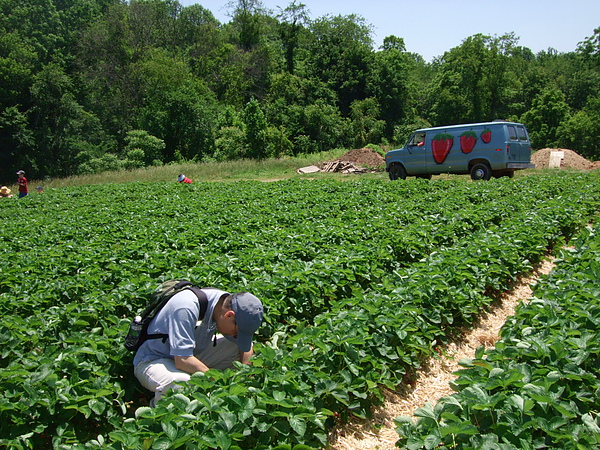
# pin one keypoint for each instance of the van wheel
(481, 171)
(397, 171)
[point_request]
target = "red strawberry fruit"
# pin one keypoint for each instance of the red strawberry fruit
(467, 141)
(486, 135)
(441, 145)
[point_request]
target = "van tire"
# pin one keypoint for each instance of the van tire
(397, 171)
(481, 171)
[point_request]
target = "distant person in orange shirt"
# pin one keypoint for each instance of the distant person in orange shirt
(22, 182)
(183, 179)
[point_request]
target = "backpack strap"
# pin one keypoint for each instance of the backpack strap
(202, 301)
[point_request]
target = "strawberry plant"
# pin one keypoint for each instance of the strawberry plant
(537, 387)
(361, 280)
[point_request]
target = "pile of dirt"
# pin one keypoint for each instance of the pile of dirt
(565, 158)
(363, 157)
(359, 160)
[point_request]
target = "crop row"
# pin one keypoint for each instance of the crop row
(361, 280)
(538, 388)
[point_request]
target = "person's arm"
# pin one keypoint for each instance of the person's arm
(246, 357)
(190, 364)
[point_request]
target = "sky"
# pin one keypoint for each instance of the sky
(432, 27)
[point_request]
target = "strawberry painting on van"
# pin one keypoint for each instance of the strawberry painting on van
(486, 135)
(467, 141)
(441, 145)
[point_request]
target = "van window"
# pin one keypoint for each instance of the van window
(418, 139)
(512, 133)
(522, 133)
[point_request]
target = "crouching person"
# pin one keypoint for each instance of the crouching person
(190, 347)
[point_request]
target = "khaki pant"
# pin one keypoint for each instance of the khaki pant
(160, 375)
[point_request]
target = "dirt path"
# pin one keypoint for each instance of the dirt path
(433, 381)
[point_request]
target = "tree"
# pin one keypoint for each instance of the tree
(388, 82)
(16, 141)
(474, 81)
(290, 97)
(581, 131)
(248, 22)
(61, 126)
(177, 108)
(150, 146)
(255, 130)
(324, 129)
(293, 18)
(200, 35)
(365, 124)
(590, 48)
(340, 54)
(548, 112)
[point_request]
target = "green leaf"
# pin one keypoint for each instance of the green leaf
(97, 406)
(298, 425)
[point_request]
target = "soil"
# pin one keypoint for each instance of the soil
(364, 157)
(432, 382)
(571, 160)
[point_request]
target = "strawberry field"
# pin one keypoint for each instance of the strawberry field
(361, 281)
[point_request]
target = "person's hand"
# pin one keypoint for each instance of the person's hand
(246, 357)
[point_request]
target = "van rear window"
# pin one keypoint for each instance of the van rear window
(522, 134)
(512, 132)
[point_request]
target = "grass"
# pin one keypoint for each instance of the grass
(228, 171)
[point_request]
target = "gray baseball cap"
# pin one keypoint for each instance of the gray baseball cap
(248, 316)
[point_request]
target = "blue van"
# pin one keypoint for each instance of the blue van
(482, 150)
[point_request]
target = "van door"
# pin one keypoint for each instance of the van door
(416, 160)
(457, 160)
(518, 143)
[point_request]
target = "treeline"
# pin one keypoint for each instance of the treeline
(94, 85)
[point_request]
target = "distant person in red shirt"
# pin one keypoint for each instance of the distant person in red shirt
(183, 179)
(22, 182)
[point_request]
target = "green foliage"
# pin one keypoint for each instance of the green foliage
(475, 83)
(255, 130)
(341, 55)
(78, 76)
(579, 132)
(388, 83)
(147, 148)
(364, 125)
(538, 386)
(543, 120)
(590, 48)
(344, 317)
